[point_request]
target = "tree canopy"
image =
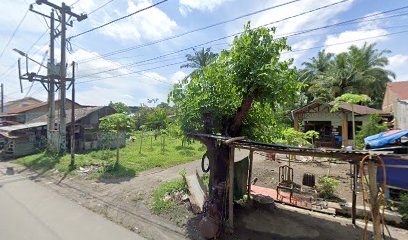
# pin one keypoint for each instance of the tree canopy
(243, 85)
(359, 71)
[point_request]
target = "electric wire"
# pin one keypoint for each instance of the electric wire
(118, 19)
(14, 33)
(99, 8)
(297, 50)
(225, 37)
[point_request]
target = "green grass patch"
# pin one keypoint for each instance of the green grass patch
(132, 160)
(160, 203)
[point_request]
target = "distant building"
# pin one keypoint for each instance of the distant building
(31, 136)
(396, 103)
(334, 128)
(394, 91)
(26, 113)
(19, 103)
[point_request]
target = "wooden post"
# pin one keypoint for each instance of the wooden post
(344, 130)
(231, 189)
(251, 158)
(354, 196)
(296, 122)
(374, 203)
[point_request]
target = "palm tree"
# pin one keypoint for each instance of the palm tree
(200, 59)
(359, 70)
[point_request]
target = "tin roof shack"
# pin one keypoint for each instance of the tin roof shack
(29, 138)
(87, 134)
(23, 139)
(29, 112)
(335, 128)
(19, 103)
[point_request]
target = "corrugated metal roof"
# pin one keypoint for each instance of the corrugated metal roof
(358, 109)
(79, 114)
(22, 126)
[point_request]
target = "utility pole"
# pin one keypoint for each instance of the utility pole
(73, 117)
(2, 97)
(62, 124)
(51, 88)
(56, 78)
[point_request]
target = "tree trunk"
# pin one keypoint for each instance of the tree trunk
(235, 127)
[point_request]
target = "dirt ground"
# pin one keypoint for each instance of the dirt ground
(266, 171)
(127, 202)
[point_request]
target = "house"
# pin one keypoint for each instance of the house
(26, 112)
(19, 103)
(394, 91)
(396, 102)
(335, 128)
(31, 137)
(401, 114)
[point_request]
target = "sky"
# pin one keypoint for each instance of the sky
(139, 57)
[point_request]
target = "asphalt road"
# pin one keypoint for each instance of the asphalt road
(31, 211)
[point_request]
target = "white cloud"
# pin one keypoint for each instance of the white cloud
(187, 6)
(303, 44)
(151, 24)
(340, 43)
(178, 76)
(398, 64)
(306, 21)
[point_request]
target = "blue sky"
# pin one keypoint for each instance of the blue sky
(132, 78)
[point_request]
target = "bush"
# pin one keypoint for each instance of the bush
(403, 208)
(326, 187)
(372, 127)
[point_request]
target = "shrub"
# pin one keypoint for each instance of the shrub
(372, 127)
(403, 208)
(326, 187)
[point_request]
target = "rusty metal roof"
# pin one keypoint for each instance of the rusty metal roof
(358, 109)
(399, 88)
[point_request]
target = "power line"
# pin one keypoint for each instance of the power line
(14, 33)
(296, 50)
(100, 7)
(118, 19)
(132, 72)
(340, 43)
(75, 3)
(282, 35)
(207, 27)
(281, 20)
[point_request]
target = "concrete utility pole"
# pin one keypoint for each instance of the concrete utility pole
(62, 124)
(73, 117)
(55, 77)
(51, 90)
(2, 97)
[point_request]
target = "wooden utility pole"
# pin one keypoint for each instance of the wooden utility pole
(73, 117)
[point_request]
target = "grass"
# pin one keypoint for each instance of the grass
(131, 161)
(160, 205)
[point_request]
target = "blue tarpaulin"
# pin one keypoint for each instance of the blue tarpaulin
(384, 138)
(396, 177)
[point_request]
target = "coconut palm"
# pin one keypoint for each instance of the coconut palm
(199, 59)
(359, 71)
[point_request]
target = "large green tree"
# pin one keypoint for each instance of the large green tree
(237, 94)
(358, 71)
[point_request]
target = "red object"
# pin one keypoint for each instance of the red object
(297, 200)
